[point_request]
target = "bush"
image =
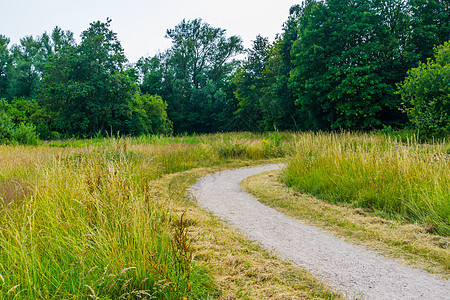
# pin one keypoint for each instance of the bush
(427, 90)
(149, 116)
(12, 134)
(25, 134)
(6, 128)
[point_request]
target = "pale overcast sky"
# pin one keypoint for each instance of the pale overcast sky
(139, 24)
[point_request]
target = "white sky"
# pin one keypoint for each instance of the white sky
(139, 24)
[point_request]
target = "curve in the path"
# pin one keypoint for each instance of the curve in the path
(350, 269)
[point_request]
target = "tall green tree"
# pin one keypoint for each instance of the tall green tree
(100, 45)
(347, 60)
(26, 67)
(430, 26)
(27, 61)
(311, 55)
(285, 113)
(193, 76)
(249, 84)
(88, 89)
(278, 100)
(61, 38)
(5, 60)
(151, 71)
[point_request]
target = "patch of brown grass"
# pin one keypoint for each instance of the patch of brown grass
(410, 244)
(15, 157)
(13, 191)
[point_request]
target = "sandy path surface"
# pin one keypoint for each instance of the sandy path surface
(350, 269)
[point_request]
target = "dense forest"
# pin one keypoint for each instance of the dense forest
(336, 65)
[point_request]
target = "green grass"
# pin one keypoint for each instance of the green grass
(406, 181)
(86, 218)
(92, 225)
(91, 229)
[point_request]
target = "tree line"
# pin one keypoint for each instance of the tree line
(352, 64)
(62, 89)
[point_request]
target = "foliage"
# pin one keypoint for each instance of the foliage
(88, 90)
(21, 133)
(149, 116)
(5, 58)
(335, 66)
(82, 86)
(26, 134)
(346, 63)
(6, 128)
(248, 84)
(430, 26)
(426, 89)
(28, 60)
(193, 75)
(29, 111)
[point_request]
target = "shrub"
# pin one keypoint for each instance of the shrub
(427, 90)
(6, 128)
(149, 116)
(21, 134)
(25, 134)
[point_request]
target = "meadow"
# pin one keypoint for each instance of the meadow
(399, 180)
(111, 219)
(84, 218)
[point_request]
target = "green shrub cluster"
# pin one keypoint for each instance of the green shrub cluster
(427, 91)
(17, 134)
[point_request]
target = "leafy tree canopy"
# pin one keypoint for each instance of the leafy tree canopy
(193, 76)
(88, 90)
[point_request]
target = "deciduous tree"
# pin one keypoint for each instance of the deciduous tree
(426, 91)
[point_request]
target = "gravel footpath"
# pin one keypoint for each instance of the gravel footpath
(350, 269)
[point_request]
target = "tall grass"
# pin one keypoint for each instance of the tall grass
(91, 229)
(404, 181)
(84, 219)
(92, 223)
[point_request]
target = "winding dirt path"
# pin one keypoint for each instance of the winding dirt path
(350, 269)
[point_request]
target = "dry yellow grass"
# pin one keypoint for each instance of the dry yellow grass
(410, 244)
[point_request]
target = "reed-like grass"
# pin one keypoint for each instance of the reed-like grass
(84, 219)
(404, 181)
(92, 223)
(91, 229)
